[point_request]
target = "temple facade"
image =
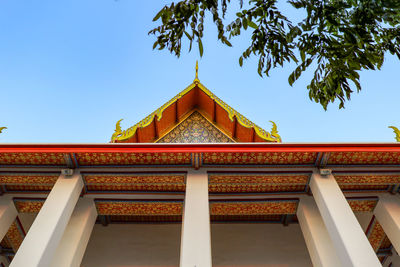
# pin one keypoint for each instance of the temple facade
(197, 184)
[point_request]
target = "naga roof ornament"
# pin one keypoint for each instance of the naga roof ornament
(397, 132)
(189, 99)
(2, 128)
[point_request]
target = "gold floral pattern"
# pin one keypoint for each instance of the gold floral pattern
(266, 158)
(32, 159)
(28, 205)
(348, 158)
(87, 159)
(227, 183)
(362, 205)
(142, 182)
(253, 207)
(139, 207)
(195, 129)
(376, 234)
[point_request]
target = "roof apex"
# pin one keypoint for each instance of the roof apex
(120, 135)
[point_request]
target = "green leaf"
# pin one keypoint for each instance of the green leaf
(241, 61)
(291, 79)
(244, 23)
(159, 14)
(200, 47)
(252, 24)
(188, 36)
(227, 42)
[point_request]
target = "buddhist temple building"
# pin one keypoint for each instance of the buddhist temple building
(197, 184)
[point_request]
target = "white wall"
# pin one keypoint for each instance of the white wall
(133, 245)
(258, 245)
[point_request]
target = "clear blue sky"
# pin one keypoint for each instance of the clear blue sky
(70, 69)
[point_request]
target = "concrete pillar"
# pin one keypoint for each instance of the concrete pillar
(387, 212)
(349, 240)
(43, 237)
(76, 236)
(318, 241)
(196, 235)
(8, 214)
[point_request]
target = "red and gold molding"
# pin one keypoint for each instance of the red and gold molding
(256, 183)
(221, 158)
(145, 219)
(114, 207)
(380, 179)
(362, 204)
(366, 182)
(28, 205)
(356, 158)
(14, 236)
(217, 207)
(86, 159)
(218, 182)
(32, 159)
(269, 218)
(376, 236)
(212, 154)
(268, 207)
(28, 182)
(137, 182)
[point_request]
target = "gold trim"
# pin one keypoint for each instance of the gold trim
(272, 136)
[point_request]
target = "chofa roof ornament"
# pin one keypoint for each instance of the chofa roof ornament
(397, 132)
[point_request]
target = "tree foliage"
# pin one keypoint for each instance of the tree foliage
(336, 38)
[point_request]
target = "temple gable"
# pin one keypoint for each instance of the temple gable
(207, 115)
(195, 129)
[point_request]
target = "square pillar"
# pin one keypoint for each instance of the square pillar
(76, 236)
(318, 241)
(43, 237)
(349, 240)
(387, 212)
(8, 214)
(196, 235)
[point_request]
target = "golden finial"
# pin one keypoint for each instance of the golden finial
(2, 128)
(196, 79)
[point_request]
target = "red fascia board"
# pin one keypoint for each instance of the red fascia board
(198, 148)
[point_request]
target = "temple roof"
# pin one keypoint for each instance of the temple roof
(197, 103)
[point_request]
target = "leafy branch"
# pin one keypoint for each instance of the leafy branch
(336, 38)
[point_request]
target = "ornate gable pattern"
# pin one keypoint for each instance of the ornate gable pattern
(172, 117)
(195, 129)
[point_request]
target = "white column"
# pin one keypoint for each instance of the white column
(8, 214)
(387, 212)
(196, 235)
(73, 244)
(43, 237)
(318, 241)
(349, 240)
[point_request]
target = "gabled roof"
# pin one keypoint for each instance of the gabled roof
(196, 97)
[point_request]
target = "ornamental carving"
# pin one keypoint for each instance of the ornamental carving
(195, 129)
